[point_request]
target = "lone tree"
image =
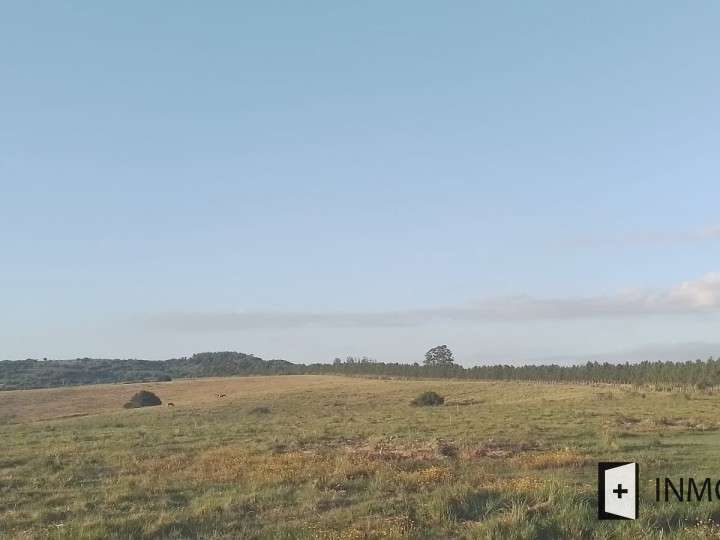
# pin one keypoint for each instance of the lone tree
(439, 356)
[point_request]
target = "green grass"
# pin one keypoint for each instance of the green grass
(353, 459)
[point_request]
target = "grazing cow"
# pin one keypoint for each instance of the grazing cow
(171, 404)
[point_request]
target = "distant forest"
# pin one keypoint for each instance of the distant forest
(25, 374)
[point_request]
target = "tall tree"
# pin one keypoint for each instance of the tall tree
(439, 356)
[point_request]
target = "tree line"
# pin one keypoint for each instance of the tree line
(698, 373)
(438, 363)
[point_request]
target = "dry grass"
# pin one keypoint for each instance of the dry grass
(77, 401)
(555, 459)
(341, 458)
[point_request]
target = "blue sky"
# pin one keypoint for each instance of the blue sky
(304, 180)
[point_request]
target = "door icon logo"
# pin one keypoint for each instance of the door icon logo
(618, 495)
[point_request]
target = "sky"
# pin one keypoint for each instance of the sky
(522, 181)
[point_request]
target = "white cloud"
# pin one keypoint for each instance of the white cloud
(711, 233)
(699, 296)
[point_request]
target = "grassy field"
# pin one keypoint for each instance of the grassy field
(331, 457)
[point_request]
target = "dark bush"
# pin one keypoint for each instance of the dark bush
(447, 449)
(164, 378)
(428, 399)
(143, 399)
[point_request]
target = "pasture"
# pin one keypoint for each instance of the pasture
(347, 458)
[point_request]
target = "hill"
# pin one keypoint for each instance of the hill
(25, 374)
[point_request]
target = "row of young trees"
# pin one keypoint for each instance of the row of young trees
(439, 363)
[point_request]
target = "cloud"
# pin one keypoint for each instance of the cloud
(703, 293)
(653, 238)
(691, 297)
(711, 233)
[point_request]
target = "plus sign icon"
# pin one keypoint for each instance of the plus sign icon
(618, 495)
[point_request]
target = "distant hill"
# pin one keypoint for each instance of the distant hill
(24, 374)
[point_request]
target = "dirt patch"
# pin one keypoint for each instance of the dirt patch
(687, 424)
(394, 453)
(627, 421)
(555, 459)
(502, 449)
(464, 402)
(439, 450)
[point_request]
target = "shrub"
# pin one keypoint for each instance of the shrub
(447, 449)
(143, 399)
(428, 399)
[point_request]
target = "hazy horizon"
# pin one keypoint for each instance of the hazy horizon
(520, 182)
(667, 352)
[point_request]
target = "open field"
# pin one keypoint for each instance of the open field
(333, 457)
